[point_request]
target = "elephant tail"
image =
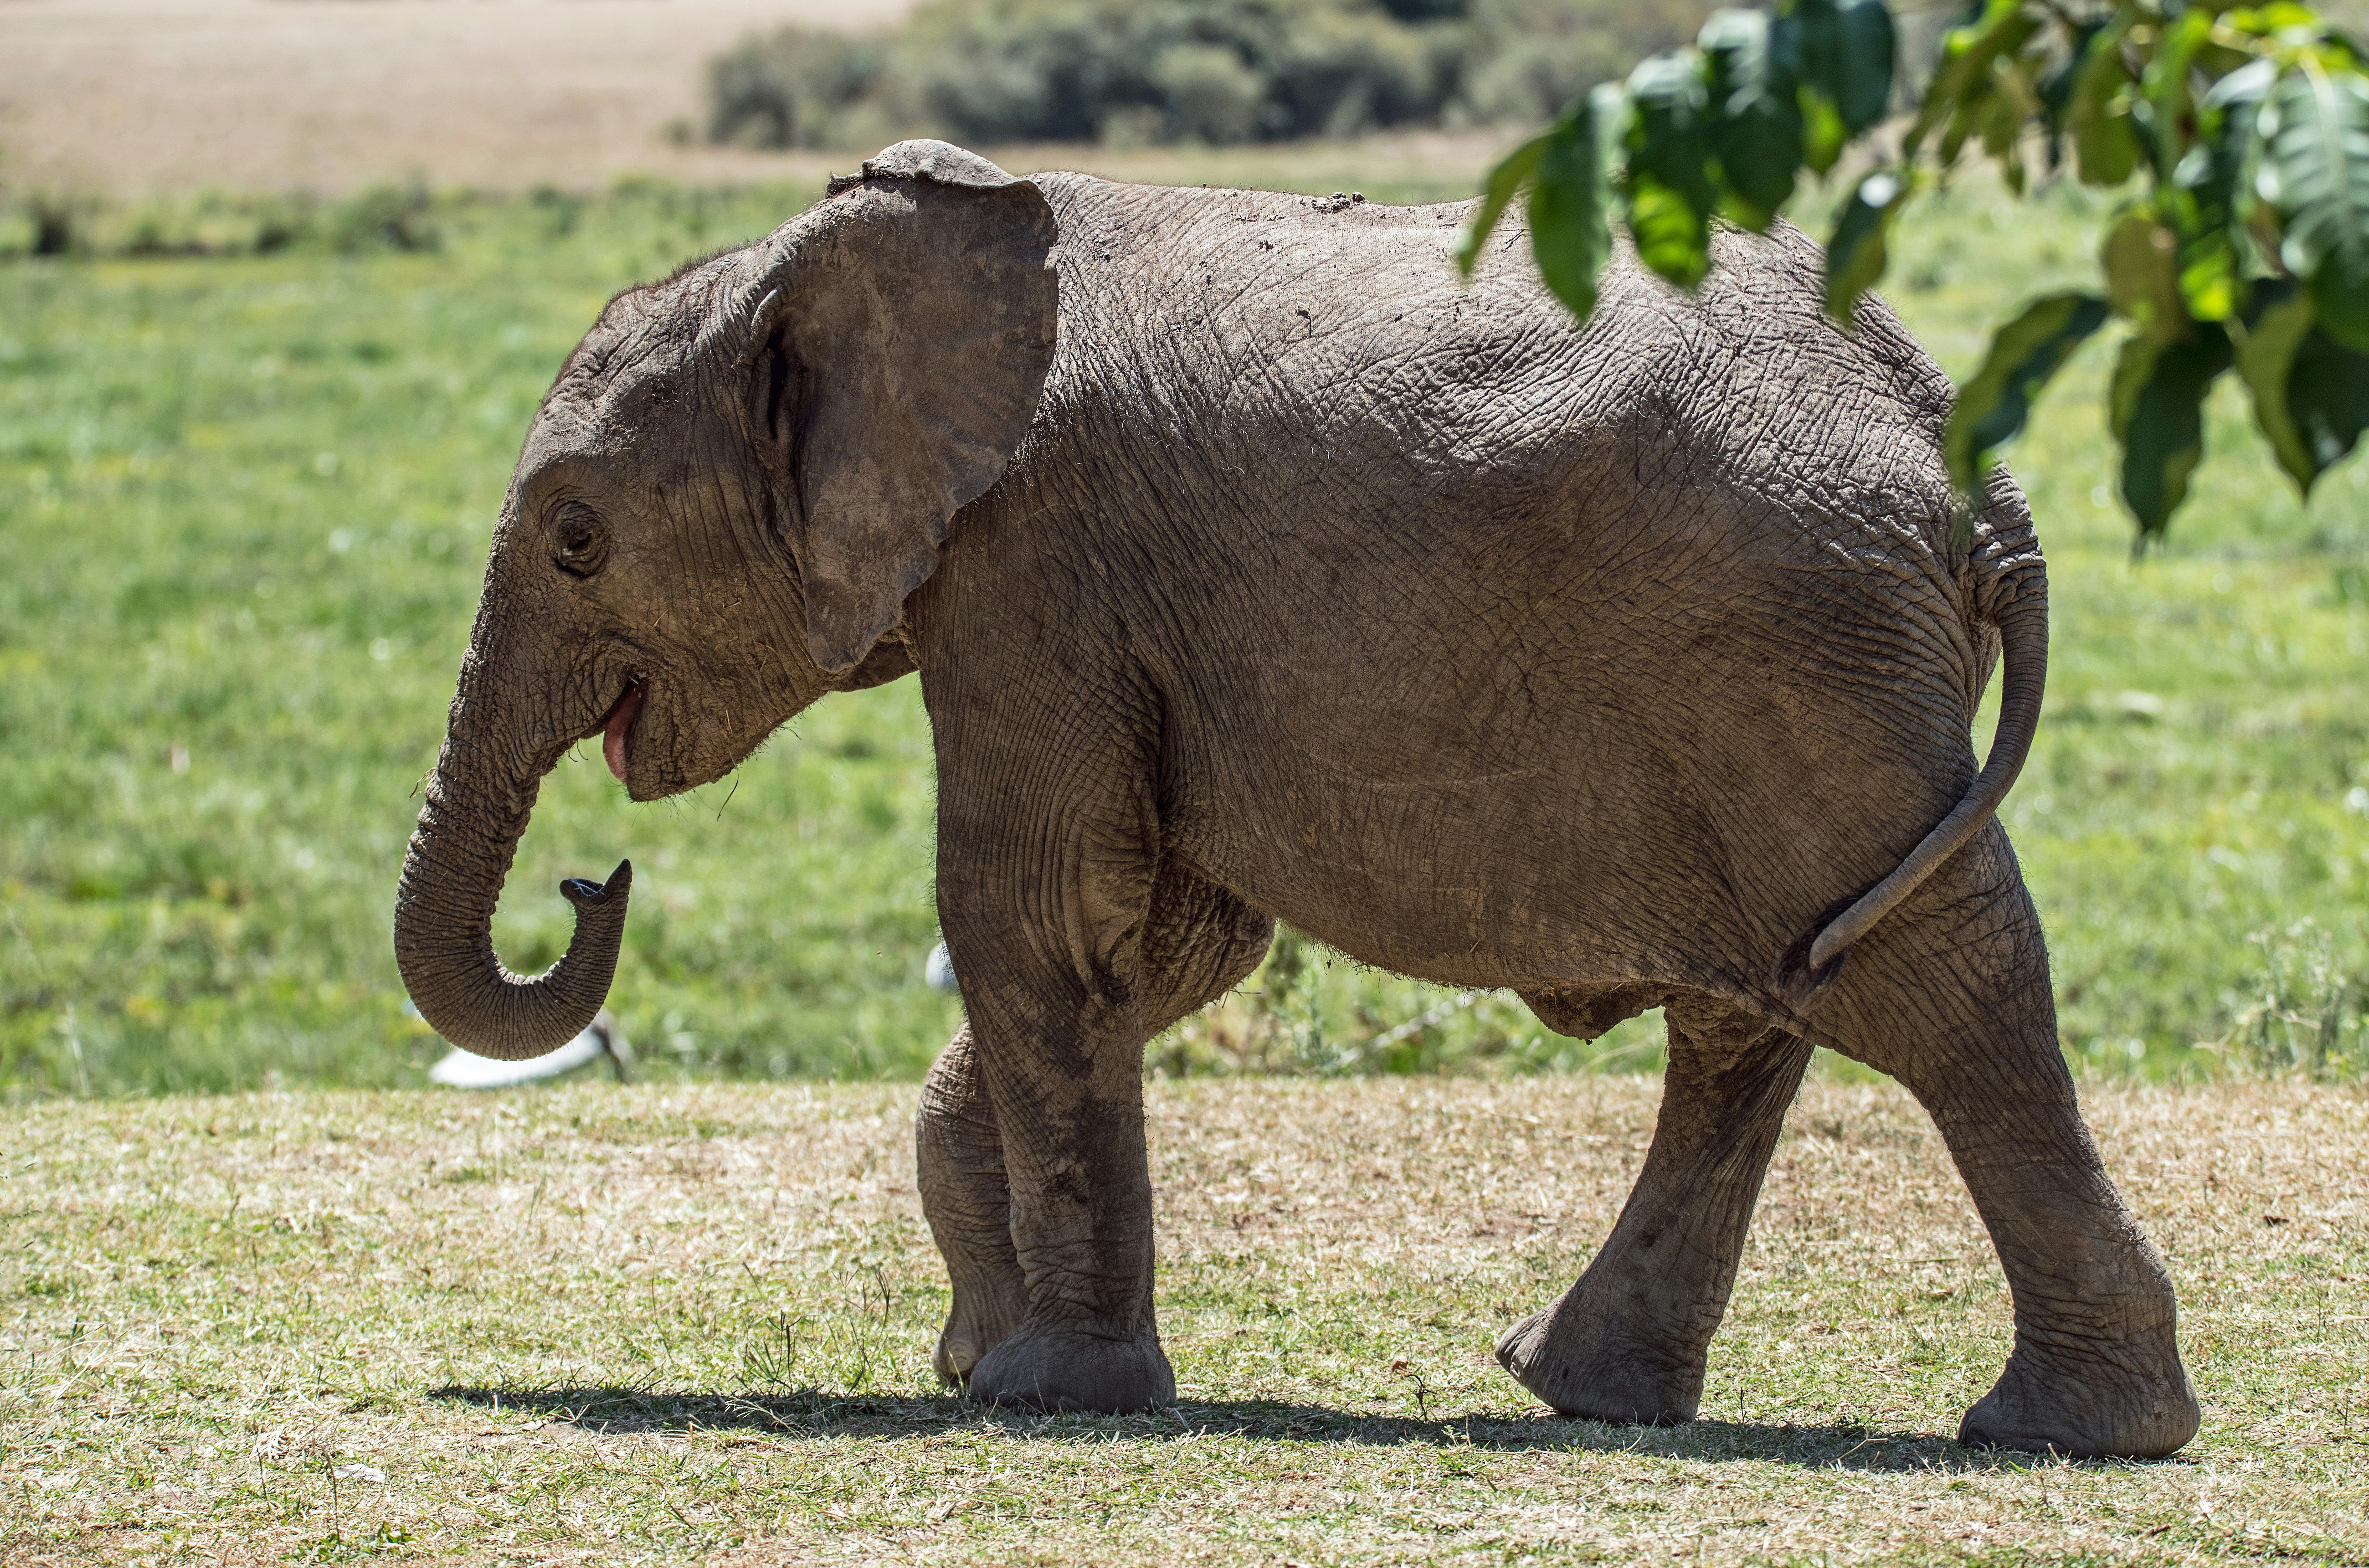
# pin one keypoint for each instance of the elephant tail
(2019, 610)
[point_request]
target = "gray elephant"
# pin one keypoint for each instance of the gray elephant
(1256, 570)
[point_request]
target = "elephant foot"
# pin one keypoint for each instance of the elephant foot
(1070, 1367)
(1567, 1359)
(979, 1321)
(2117, 1405)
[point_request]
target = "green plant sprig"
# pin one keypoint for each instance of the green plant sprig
(2241, 132)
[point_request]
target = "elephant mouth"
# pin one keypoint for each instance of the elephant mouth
(614, 728)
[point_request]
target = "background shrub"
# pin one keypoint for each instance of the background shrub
(402, 218)
(386, 217)
(792, 88)
(1526, 58)
(2306, 1007)
(1214, 70)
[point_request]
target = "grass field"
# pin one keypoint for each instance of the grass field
(244, 503)
(693, 1324)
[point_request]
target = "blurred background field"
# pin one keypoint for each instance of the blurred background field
(253, 431)
(132, 97)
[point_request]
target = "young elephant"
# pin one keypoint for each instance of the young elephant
(1254, 568)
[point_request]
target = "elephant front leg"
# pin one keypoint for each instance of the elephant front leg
(1069, 1103)
(1044, 895)
(1199, 944)
(1629, 1341)
(967, 1202)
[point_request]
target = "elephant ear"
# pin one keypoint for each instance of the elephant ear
(900, 338)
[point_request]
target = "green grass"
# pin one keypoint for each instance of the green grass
(244, 501)
(2197, 792)
(653, 1325)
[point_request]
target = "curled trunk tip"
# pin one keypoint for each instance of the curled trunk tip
(444, 947)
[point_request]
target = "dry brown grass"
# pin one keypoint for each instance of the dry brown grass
(606, 1325)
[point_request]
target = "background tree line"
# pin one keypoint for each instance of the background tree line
(1136, 72)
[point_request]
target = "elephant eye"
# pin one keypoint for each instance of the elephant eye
(581, 543)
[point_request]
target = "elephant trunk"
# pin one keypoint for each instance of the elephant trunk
(478, 800)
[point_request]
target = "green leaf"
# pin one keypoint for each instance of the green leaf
(1961, 83)
(1823, 133)
(2024, 355)
(1668, 188)
(1822, 129)
(1847, 55)
(2013, 103)
(2266, 345)
(2164, 85)
(1980, 103)
(1869, 51)
(2315, 172)
(1756, 123)
(2328, 397)
(2158, 402)
(2105, 144)
(1505, 180)
(2140, 256)
(2311, 393)
(1569, 198)
(2056, 83)
(2206, 200)
(1858, 253)
(1673, 234)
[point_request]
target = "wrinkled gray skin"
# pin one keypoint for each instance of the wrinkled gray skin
(1260, 571)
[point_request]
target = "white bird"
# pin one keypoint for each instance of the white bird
(464, 1069)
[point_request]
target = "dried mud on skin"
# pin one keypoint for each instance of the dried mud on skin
(603, 1325)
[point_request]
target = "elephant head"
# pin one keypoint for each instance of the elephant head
(738, 478)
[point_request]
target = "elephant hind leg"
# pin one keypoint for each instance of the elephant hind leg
(1199, 942)
(1629, 1342)
(1950, 995)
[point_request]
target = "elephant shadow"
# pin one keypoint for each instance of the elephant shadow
(809, 1415)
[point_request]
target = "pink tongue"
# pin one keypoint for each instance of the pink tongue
(613, 744)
